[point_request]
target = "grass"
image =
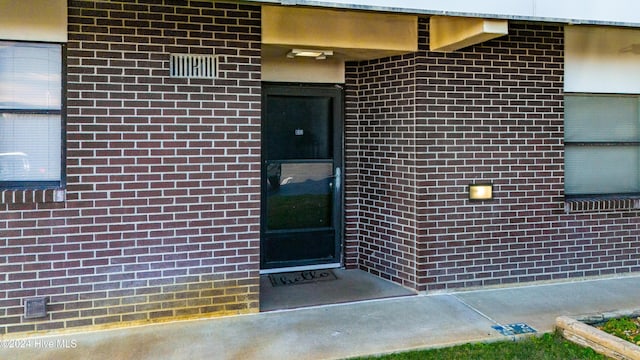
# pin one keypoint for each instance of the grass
(625, 328)
(546, 347)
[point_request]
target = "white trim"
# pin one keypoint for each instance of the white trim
(34, 20)
(300, 268)
(602, 12)
(602, 60)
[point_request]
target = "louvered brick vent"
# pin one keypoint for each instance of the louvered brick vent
(193, 66)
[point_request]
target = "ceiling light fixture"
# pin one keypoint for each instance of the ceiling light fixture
(317, 54)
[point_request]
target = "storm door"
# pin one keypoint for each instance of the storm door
(301, 176)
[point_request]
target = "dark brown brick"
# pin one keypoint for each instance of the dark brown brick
(98, 245)
(480, 114)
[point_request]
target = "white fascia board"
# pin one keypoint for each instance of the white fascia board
(602, 12)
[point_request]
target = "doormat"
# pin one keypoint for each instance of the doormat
(301, 277)
(514, 329)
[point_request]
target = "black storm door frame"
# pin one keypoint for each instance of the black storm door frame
(302, 176)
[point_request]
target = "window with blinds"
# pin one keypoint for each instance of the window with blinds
(602, 144)
(31, 115)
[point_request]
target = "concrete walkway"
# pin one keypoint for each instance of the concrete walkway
(346, 330)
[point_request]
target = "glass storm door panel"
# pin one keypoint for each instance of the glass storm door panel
(301, 180)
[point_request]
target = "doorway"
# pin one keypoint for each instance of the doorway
(302, 192)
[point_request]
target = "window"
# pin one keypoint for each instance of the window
(31, 116)
(602, 145)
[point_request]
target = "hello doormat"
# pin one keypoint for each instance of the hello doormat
(301, 277)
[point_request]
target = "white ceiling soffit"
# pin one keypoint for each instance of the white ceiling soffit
(349, 35)
(604, 12)
(449, 33)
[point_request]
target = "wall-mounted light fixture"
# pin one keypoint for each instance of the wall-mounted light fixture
(480, 191)
(317, 54)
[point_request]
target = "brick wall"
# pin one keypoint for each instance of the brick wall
(493, 113)
(161, 214)
(381, 168)
(161, 218)
(488, 113)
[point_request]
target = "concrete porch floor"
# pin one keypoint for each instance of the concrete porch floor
(350, 285)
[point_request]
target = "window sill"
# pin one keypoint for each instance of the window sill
(32, 196)
(601, 204)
